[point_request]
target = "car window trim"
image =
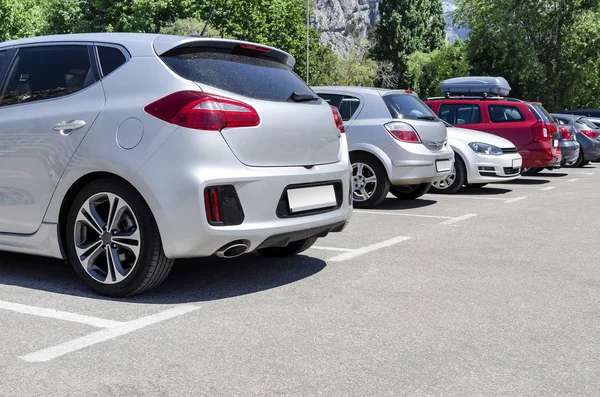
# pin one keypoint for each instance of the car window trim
(16, 49)
(97, 56)
(506, 121)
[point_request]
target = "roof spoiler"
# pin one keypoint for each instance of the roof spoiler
(163, 44)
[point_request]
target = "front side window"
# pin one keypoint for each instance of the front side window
(504, 114)
(47, 72)
(460, 114)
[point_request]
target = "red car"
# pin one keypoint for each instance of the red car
(527, 124)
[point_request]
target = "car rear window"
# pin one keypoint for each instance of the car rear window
(587, 123)
(405, 106)
(505, 114)
(251, 76)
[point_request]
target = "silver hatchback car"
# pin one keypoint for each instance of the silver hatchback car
(123, 152)
(397, 144)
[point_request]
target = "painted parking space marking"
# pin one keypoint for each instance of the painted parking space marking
(400, 214)
(573, 180)
(315, 247)
(548, 188)
(104, 335)
(514, 200)
(369, 248)
(507, 201)
(59, 315)
(458, 219)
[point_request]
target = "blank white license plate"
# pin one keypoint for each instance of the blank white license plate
(311, 198)
(517, 163)
(443, 165)
(555, 142)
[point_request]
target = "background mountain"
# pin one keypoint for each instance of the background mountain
(346, 24)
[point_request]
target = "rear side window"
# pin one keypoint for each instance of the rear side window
(504, 114)
(47, 72)
(2, 53)
(333, 99)
(404, 106)
(110, 59)
(250, 76)
(348, 107)
(543, 113)
(460, 114)
(560, 121)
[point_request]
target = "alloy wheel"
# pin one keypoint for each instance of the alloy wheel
(447, 182)
(107, 238)
(364, 182)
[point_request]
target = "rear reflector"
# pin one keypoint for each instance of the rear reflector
(590, 133)
(337, 117)
(223, 207)
(201, 111)
(403, 132)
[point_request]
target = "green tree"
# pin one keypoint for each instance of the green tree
(539, 49)
(405, 27)
(427, 70)
(355, 69)
(20, 18)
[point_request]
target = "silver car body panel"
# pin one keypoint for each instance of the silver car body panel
(170, 166)
(406, 163)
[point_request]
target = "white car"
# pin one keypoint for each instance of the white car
(479, 158)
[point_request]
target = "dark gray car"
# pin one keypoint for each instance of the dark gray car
(586, 134)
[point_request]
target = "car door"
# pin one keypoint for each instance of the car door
(509, 122)
(463, 115)
(48, 101)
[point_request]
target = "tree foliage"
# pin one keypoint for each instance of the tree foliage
(405, 27)
(355, 69)
(544, 50)
(427, 70)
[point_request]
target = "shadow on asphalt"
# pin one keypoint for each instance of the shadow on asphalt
(550, 174)
(482, 191)
(529, 181)
(392, 203)
(190, 280)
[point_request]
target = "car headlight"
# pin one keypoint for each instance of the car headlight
(484, 148)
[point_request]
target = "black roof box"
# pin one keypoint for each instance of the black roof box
(478, 85)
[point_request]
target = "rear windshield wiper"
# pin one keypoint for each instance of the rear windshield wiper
(295, 97)
(427, 118)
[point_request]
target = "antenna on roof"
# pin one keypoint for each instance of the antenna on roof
(208, 20)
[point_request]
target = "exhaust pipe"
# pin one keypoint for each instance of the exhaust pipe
(232, 249)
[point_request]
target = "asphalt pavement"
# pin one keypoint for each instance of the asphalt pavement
(491, 292)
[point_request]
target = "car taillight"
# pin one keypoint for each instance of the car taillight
(402, 131)
(337, 117)
(566, 132)
(201, 111)
(590, 133)
(540, 131)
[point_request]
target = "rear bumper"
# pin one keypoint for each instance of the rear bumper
(590, 147)
(569, 151)
(538, 155)
(414, 163)
(175, 194)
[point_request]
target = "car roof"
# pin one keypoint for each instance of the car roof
(568, 116)
(360, 90)
(142, 44)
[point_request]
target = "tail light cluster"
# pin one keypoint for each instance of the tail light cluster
(543, 131)
(590, 133)
(566, 132)
(337, 117)
(201, 111)
(402, 131)
(223, 207)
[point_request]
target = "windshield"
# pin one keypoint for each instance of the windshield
(240, 73)
(405, 106)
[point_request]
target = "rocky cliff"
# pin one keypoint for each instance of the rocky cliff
(347, 24)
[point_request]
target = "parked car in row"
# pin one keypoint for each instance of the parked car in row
(479, 158)
(397, 144)
(225, 152)
(481, 103)
(586, 134)
(569, 147)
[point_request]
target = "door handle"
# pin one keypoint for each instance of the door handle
(66, 127)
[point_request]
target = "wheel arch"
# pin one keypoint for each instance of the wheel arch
(375, 152)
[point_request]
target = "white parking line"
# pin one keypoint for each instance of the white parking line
(458, 219)
(400, 214)
(573, 180)
(106, 334)
(59, 315)
(514, 200)
(548, 188)
(315, 247)
(370, 248)
(589, 173)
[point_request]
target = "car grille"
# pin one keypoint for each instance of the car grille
(511, 171)
(509, 150)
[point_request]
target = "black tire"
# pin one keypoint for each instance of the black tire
(293, 248)
(537, 170)
(529, 171)
(584, 163)
(579, 162)
(477, 185)
(410, 192)
(383, 183)
(460, 178)
(152, 266)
